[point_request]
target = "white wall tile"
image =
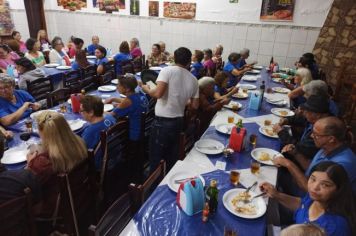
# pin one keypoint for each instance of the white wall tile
(265, 48)
(280, 49)
(312, 36)
(263, 60)
(299, 36)
(268, 34)
(238, 45)
(308, 48)
(290, 61)
(253, 45)
(240, 32)
(295, 50)
(283, 35)
(254, 33)
(280, 60)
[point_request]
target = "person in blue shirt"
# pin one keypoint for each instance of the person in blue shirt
(100, 54)
(92, 109)
(122, 57)
(245, 53)
(95, 43)
(221, 92)
(234, 72)
(197, 68)
(329, 134)
(329, 202)
(14, 104)
(81, 61)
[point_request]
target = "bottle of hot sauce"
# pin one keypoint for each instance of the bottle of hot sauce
(205, 212)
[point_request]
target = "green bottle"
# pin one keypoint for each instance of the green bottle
(239, 124)
(212, 196)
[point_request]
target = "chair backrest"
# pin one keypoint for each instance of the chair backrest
(141, 192)
(127, 67)
(72, 78)
(139, 63)
(58, 96)
(109, 66)
(89, 72)
(16, 216)
(40, 87)
(188, 137)
(211, 71)
(116, 217)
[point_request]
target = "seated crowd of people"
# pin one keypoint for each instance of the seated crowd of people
(316, 177)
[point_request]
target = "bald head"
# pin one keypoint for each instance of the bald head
(333, 126)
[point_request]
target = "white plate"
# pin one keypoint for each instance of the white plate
(277, 80)
(259, 203)
(280, 90)
(51, 65)
(258, 67)
(14, 155)
(277, 112)
(155, 68)
(247, 86)
(251, 78)
(63, 67)
(115, 81)
(272, 153)
(209, 146)
(108, 107)
(263, 131)
(277, 102)
(138, 73)
(107, 88)
(232, 104)
(181, 175)
(224, 128)
(76, 124)
(253, 72)
(240, 95)
(91, 57)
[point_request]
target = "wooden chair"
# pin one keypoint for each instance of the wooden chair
(188, 137)
(211, 72)
(72, 78)
(58, 96)
(139, 63)
(115, 218)
(89, 73)
(146, 124)
(127, 67)
(109, 74)
(141, 192)
(40, 87)
(16, 216)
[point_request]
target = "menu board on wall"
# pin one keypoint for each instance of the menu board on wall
(6, 24)
(72, 5)
(181, 10)
(153, 8)
(277, 10)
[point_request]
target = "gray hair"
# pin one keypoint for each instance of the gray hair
(6, 79)
(135, 40)
(305, 74)
(205, 81)
(245, 51)
(315, 87)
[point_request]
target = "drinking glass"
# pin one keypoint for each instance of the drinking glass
(28, 123)
(63, 108)
(253, 140)
(234, 177)
(230, 119)
(255, 167)
(229, 231)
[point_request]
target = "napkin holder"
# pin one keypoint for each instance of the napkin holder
(75, 100)
(237, 139)
(190, 196)
(255, 100)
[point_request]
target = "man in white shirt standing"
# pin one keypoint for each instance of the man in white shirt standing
(176, 87)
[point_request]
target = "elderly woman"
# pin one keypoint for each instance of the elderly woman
(217, 59)
(92, 47)
(135, 50)
(57, 54)
(156, 57)
(14, 104)
(7, 57)
(233, 70)
(208, 105)
(34, 54)
(28, 72)
(302, 77)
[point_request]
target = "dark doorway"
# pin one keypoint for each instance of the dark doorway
(35, 16)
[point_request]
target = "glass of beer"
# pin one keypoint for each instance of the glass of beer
(245, 90)
(234, 177)
(230, 119)
(28, 124)
(253, 140)
(255, 167)
(229, 231)
(63, 108)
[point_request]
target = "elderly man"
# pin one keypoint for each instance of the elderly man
(329, 135)
(14, 104)
(245, 53)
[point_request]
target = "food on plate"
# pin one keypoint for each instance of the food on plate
(264, 156)
(240, 95)
(241, 207)
(243, 196)
(267, 122)
(283, 113)
(270, 132)
(247, 209)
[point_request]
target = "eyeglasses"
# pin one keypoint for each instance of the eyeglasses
(319, 135)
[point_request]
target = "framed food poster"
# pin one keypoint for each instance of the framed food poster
(183, 10)
(277, 10)
(6, 24)
(153, 8)
(72, 5)
(110, 5)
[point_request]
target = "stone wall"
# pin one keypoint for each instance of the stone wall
(336, 43)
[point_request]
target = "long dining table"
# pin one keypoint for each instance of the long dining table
(160, 214)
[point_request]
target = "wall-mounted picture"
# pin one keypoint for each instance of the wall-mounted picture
(6, 24)
(277, 10)
(135, 7)
(233, 1)
(72, 5)
(153, 8)
(110, 5)
(181, 10)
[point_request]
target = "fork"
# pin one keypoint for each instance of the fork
(250, 200)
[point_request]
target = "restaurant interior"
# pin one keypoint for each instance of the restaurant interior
(185, 117)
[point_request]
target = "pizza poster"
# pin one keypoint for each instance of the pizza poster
(72, 5)
(109, 5)
(183, 10)
(6, 24)
(277, 10)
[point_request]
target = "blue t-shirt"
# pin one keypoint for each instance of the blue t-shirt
(342, 156)
(101, 61)
(333, 108)
(233, 80)
(241, 63)
(220, 90)
(119, 59)
(134, 112)
(196, 68)
(7, 107)
(75, 65)
(91, 49)
(334, 225)
(91, 136)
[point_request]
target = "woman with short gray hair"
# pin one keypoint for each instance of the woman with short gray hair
(135, 50)
(14, 104)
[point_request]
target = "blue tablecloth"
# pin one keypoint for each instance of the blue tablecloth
(160, 214)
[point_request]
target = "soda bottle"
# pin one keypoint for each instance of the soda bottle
(212, 196)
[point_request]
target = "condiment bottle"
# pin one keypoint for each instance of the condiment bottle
(212, 196)
(205, 212)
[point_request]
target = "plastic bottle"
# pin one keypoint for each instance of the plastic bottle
(205, 216)
(212, 196)
(262, 92)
